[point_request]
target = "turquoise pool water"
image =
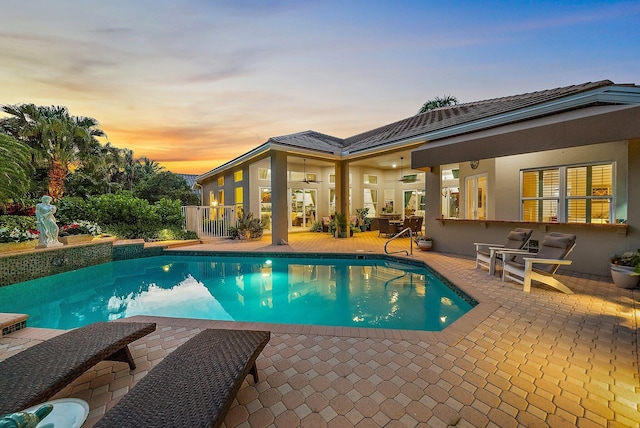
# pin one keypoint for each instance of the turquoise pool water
(372, 293)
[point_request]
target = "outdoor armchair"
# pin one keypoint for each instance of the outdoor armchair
(487, 254)
(542, 266)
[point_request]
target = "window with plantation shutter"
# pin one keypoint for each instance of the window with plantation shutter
(568, 194)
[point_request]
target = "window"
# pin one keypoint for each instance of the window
(388, 201)
(476, 197)
(265, 206)
(220, 197)
(299, 176)
(220, 181)
(332, 201)
(371, 201)
(239, 196)
(414, 203)
(568, 194)
(370, 179)
(237, 176)
(264, 174)
(332, 178)
(450, 191)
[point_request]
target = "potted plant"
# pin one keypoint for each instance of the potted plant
(625, 269)
(424, 242)
(247, 227)
(342, 225)
(363, 220)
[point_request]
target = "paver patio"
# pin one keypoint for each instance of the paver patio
(534, 360)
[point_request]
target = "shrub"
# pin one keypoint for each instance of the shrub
(22, 223)
(71, 208)
(170, 212)
(176, 234)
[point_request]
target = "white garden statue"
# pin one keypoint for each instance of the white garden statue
(46, 223)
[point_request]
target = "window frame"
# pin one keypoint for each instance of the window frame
(563, 198)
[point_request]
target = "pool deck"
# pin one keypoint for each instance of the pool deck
(517, 359)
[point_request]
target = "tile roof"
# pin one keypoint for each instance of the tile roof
(311, 140)
(433, 120)
(445, 117)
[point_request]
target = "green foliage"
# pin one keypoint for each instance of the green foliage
(80, 227)
(316, 227)
(170, 212)
(126, 216)
(124, 208)
(363, 220)
(247, 223)
(18, 221)
(168, 185)
(16, 228)
(71, 208)
(173, 234)
(341, 221)
(437, 102)
(132, 231)
(332, 225)
(15, 168)
(629, 258)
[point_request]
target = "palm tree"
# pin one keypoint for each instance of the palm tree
(437, 102)
(59, 140)
(15, 168)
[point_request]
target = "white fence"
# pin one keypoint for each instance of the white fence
(209, 221)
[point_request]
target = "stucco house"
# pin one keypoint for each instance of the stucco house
(564, 159)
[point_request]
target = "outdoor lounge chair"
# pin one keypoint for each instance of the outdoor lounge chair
(194, 386)
(542, 266)
(487, 254)
(36, 374)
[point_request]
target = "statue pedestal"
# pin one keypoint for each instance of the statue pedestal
(75, 239)
(50, 245)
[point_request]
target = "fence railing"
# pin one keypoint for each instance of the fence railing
(209, 221)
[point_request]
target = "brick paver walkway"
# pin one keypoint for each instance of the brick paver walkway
(531, 360)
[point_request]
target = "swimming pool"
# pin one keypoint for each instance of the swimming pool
(371, 293)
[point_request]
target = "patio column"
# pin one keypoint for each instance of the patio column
(342, 187)
(279, 205)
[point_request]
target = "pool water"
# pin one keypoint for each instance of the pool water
(371, 293)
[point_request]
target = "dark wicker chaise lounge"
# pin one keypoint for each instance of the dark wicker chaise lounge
(36, 374)
(194, 385)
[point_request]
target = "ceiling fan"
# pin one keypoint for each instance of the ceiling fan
(409, 178)
(306, 179)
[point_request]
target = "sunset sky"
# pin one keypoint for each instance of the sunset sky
(195, 83)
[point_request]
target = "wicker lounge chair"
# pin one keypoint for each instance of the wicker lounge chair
(194, 386)
(36, 374)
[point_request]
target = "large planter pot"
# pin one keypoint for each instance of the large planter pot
(6, 247)
(75, 239)
(622, 277)
(425, 245)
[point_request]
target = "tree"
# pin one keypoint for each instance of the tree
(15, 168)
(168, 185)
(58, 139)
(437, 102)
